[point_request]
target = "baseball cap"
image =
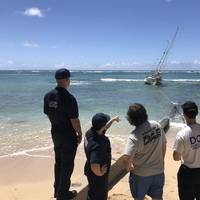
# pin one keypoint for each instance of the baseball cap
(99, 120)
(190, 107)
(62, 74)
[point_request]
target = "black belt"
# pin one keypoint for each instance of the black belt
(188, 168)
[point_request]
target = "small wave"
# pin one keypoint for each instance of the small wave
(35, 71)
(29, 153)
(182, 80)
(136, 71)
(21, 74)
(79, 83)
(192, 71)
(120, 80)
(98, 71)
(189, 72)
(177, 124)
(116, 71)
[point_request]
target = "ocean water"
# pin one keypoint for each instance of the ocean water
(24, 128)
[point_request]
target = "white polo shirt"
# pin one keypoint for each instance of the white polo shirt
(187, 144)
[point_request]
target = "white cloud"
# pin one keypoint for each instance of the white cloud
(60, 65)
(196, 61)
(175, 62)
(108, 64)
(10, 62)
(135, 63)
(31, 44)
(33, 12)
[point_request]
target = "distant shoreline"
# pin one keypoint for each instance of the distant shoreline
(103, 70)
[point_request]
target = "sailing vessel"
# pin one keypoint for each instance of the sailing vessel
(156, 78)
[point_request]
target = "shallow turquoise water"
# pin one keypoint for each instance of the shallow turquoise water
(23, 124)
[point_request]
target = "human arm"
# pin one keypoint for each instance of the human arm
(116, 118)
(45, 105)
(176, 156)
(73, 114)
(127, 163)
(164, 144)
(77, 127)
(164, 147)
(129, 153)
(178, 147)
(98, 170)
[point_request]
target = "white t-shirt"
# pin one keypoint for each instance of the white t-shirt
(187, 144)
(145, 148)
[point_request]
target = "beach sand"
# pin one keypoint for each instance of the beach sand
(29, 178)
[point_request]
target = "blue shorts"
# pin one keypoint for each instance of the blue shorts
(146, 185)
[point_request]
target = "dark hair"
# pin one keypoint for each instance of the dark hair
(136, 114)
(190, 109)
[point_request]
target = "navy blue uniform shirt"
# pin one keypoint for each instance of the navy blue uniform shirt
(61, 106)
(97, 150)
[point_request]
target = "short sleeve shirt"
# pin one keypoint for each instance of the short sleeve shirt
(187, 144)
(144, 146)
(97, 150)
(61, 106)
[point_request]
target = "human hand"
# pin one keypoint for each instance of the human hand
(116, 118)
(104, 169)
(131, 168)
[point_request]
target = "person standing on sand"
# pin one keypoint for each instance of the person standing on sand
(187, 149)
(98, 153)
(62, 110)
(144, 155)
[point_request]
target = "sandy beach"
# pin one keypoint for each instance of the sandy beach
(30, 177)
(25, 177)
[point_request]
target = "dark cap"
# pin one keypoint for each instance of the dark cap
(190, 107)
(62, 74)
(99, 120)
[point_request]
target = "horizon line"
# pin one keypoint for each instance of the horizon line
(99, 69)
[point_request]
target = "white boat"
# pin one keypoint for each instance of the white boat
(156, 78)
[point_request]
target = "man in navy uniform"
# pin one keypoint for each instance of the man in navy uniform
(98, 153)
(62, 110)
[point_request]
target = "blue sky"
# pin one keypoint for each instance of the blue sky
(98, 34)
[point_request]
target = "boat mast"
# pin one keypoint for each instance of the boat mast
(166, 51)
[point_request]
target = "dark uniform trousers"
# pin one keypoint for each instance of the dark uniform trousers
(97, 187)
(189, 183)
(64, 165)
